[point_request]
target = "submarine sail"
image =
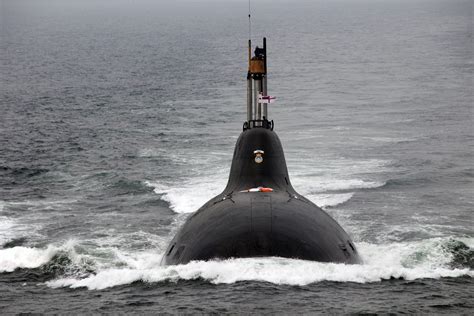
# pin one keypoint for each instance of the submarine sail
(259, 213)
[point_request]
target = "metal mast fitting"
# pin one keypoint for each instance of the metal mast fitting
(257, 111)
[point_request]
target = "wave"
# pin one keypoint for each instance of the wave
(329, 200)
(52, 260)
(6, 229)
(336, 167)
(273, 270)
(14, 230)
(192, 195)
(36, 204)
(431, 258)
(126, 187)
(321, 185)
(25, 257)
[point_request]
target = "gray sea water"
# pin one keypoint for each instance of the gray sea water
(118, 120)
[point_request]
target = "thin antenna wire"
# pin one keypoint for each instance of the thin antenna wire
(250, 23)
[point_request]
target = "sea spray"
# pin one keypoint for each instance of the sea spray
(381, 262)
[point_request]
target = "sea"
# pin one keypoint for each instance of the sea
(118, 120)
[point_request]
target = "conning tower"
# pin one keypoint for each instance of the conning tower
(257, 97)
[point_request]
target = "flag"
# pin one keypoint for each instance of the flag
(266, 99)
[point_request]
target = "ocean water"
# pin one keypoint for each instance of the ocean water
(118, 120)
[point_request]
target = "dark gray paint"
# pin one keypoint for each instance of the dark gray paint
(252, 224)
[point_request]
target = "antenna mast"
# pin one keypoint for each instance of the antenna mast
(257, 98)
(250, 23)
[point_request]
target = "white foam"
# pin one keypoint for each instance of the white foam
(328, 200)
(27, 257)
(191, 195)
(424, 259)
(12, 228)
(24, 257)
(313, 185)
(136, 240)
(7, 226)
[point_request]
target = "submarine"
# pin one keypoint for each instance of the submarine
(259, 213)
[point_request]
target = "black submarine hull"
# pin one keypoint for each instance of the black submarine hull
(239, 224)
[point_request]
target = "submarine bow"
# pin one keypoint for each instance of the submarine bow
(259, 214)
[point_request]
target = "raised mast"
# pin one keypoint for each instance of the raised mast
(257, 110)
